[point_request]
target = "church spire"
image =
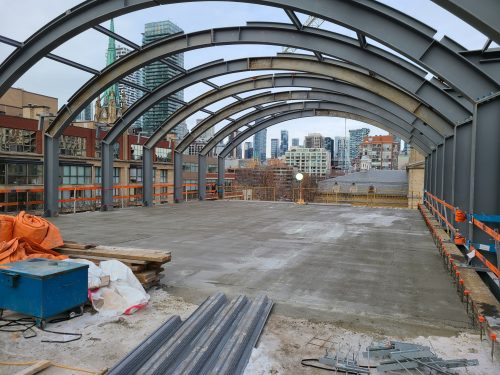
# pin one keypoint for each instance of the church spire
(110, 59)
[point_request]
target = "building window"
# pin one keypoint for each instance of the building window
(212, 168)
(136, 152)
(190, 167)
(163, 176)
(21, 174)
(76, 175)
(116, 175)
(17, 140)
(135, 175)
(163, 154)
(73, 146)
(98, 148)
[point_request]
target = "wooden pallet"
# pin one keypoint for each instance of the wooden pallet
(146, 264)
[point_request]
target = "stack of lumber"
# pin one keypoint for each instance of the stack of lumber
(145, 264)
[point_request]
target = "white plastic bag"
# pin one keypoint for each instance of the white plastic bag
(94, 273)
(124, 295)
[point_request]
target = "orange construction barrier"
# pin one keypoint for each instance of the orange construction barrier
(26, 236)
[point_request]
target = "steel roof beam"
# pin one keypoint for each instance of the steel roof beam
(301, 64)
(117, 37)
(333, 111)
(398, 124)
(390, 27)
(482, 15)
(362, 40)
(279, 36)
(274, 81)
(293, 17)
(404, 130)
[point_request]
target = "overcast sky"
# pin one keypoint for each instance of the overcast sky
(19, 19)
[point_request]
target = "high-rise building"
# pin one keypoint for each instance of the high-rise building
(181, 130)
(341, 153)
(330, 147)
(314, 140)
(157, 73)
(132, 94)
(274, 148)
(248, 150)
(259, 148)
(295, 142)
(284, 142)
(356, 136)
(314, 161)
(381, 150)
(235, 152)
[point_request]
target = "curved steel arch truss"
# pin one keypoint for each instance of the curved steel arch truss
(301, 80)
(396, 30)
(401, 126)
(375, 114)
(330, 110)
(398, 73)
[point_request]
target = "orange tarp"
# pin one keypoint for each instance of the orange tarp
(27, 236)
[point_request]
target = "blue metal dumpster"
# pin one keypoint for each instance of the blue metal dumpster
(42, 288)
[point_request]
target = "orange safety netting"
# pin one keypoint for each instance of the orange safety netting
(27, 236)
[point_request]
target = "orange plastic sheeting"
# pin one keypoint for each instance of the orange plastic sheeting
(26, 236)
(23, 248)
(6, 227)
(38, 230)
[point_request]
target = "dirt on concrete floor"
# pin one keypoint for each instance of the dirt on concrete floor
(104, 342)
(284, 342)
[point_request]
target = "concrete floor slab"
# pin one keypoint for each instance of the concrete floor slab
(325, 262)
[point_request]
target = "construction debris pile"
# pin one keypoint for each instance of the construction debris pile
(145, 264)
(217, 338)
(391, 357)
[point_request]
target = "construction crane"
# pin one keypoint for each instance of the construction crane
(310, 22)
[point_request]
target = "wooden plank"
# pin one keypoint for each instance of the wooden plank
(146, 276)
(121, 253)
(36, 368)
(77, 245)
(151, 283)
(97, 259)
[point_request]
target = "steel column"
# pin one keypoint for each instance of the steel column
(426, 173)
(107, 156)
(485, 162)
(461, 185)
(220, 177)
(147, 177)
(178, 180)
(439, 171)
(448, 169)
(431, 171)
(202, 177)
(434, 171)
(51, 176)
